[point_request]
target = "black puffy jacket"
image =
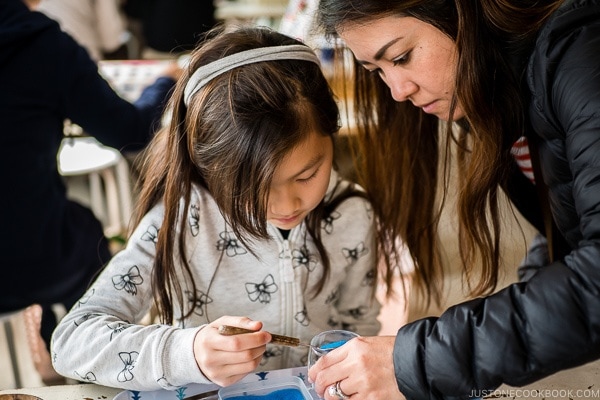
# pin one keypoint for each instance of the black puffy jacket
(532, 329)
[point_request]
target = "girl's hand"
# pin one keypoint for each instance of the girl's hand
(227, 359)
(364, 367)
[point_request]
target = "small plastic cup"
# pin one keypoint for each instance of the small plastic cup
(327, 341)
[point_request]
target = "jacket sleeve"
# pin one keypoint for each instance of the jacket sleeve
(102, 340)
(532, 329)
(519, 335)
(89, 101)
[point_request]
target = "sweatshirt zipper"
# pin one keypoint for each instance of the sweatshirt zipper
(288, 279)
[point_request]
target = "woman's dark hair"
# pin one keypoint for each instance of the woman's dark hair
(230, 139)
(399, 147)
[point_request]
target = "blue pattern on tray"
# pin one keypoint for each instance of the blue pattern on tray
(196, 388)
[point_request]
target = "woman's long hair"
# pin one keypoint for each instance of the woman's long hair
(399, 146)
(229, 140)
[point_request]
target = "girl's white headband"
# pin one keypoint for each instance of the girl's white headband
(207, 72)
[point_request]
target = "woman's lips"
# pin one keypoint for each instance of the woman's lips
(429, 108)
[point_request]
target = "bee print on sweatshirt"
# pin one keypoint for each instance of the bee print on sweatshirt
(85, 317)
(194, 219)
(327, 223)
(128, 359)
(229, 244)
(262, 291)
(86, 297)
(272, 351)
(357, 313)
(302, 317)
(129, 281)
(355, 253)
(333, 323)
(87, 377)
(117, 327)
(303, 258)
(333, 296)
(369, 279)
(348, 327)
(151, 234)
(369, 209)
(304, 361)
(202, 299)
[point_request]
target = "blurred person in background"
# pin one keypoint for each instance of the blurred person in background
(170, 27)
(97, 25)
(52, 246)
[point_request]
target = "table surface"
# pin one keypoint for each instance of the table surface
(581, 382)
(129, 77)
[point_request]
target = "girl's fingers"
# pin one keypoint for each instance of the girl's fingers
(242, 322)
(224, 357)
(226, 374)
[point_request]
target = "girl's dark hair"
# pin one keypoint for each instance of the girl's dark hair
(231, 138)
(400, 148)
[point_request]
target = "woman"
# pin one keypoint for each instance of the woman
(500, 71)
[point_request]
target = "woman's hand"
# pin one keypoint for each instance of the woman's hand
(364, 367)
(227, 359)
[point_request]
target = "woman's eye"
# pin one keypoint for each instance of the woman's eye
(403, 59)
(377, 71)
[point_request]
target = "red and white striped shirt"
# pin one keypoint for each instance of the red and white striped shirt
(520, 151)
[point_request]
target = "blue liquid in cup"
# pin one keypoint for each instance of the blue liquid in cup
(332, 345)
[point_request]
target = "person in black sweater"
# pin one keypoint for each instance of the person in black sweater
(52, 246)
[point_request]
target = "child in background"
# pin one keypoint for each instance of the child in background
(241, 220)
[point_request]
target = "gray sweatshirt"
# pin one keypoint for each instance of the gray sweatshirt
(103, 340)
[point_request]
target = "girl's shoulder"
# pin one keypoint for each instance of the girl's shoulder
(201, 200)
(347, 200)
(200, 194)
(341, 190)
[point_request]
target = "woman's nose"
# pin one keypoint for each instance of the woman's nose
(400, 86)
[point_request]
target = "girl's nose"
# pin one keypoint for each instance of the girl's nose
(284, 202)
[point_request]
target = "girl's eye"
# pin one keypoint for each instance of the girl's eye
(306, 180)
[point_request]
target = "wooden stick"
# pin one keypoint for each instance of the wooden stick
(229, 330)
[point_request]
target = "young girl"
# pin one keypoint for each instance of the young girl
(240, 214)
